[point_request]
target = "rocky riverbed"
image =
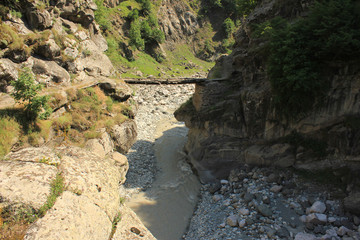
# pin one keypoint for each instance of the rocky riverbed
(253, 203)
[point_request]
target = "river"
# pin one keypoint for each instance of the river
(167, 204)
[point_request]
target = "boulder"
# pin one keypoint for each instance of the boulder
(95, 63)
(18, 55)
(39, 19)
(26, 182)
(121, 161)
(352, 203)
(318, 207)
(119, 91)
(82, 13)
(72, 217)
(100, 41)
(94, 146)
(52, 70)
(106, 142)
(49, 49)
(8, 73)
(124, 135)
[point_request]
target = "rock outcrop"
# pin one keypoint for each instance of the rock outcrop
(233, 122)
(91, 199)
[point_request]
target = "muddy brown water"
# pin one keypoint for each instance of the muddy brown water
(166, 208)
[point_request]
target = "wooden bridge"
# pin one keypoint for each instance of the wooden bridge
(160, 81)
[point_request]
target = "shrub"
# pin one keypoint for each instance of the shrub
(298, 52)
(135, 35)
(229, 27)
(26, 92)
(101, 16)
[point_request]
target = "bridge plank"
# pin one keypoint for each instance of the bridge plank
(169, 80)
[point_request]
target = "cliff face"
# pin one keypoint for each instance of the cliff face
(233, 122)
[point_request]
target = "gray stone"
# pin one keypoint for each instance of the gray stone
(276, 188)
(342, 231)
(316, 218)
(304, 236)
(244, 211)
(265, 210)
(72, 217)
(216, 198)
(248, 197)
(242, 223)
(283, 232)
(232, 220)
(26, 182)
(318, 207)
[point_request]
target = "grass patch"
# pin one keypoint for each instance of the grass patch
(57, 188)
(15, 219)
(90, 110)
(115, 221)
(9, 130)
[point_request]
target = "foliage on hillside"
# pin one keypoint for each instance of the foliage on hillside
(299, 52)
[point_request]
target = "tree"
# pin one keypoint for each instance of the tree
(26, 92)
(135, 35)
(229, 27)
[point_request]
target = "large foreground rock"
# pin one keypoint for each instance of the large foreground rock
(92, 176)
(26, 182)
(130, 227)
(72, 217)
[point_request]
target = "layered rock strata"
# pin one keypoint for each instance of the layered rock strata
(232, 122)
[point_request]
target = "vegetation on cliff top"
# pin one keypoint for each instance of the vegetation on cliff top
(301, 51)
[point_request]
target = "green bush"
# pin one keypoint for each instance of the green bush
(135, 35)
(229, 27)
(300, 50)
(102, 16)
(133, 15)
(26, 91)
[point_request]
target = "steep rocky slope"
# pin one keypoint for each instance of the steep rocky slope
(61, 46)
(235, 122)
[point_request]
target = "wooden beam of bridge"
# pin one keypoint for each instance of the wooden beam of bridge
(160, 81)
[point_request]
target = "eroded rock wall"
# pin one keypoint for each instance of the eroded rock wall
(233, 123)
